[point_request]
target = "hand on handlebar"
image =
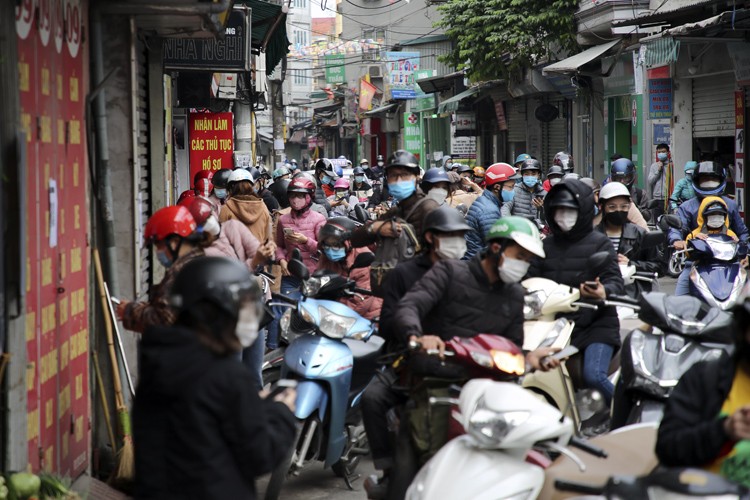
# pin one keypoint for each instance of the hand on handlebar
(597, 292)
(430, 342)
(679, 245)
(701, 236)
(540, 358)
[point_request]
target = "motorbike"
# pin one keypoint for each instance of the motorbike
(717, 275)
(333, 361)
(683, 331)
(503, 422)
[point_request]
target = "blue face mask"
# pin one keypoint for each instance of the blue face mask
(530, 180)
(334, 254)
(689, 175)
(359, 178)
(220, 193)
(662, 156)
(163, 258)
(596, 210)
(326, 179)
(401, 190)
(507, 195)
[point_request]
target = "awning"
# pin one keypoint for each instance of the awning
(666, 15)
(439, 83)
(265, 137)
(388, 108)
(572, 63)
(265, 17)
(451, 105)
(738, 21)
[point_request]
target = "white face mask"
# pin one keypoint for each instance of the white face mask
(555, 180)
(715, 221)
(451, 247)
(438, 194)
(566, 218)
(709, 184)
(512, 270)
(212, 226)
(247, 325)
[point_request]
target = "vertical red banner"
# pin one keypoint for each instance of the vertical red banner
(739, 150)
(211, 141)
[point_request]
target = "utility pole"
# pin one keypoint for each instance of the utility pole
(277, 116)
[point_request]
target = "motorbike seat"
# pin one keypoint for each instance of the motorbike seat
(362, 349)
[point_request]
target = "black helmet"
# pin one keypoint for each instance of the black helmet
(358, 171)
(338, 228)
(709, 169)
(531, 164)
(404, 159)
(715, 208)
(561, 198)
(445, 219)
(462, 167)
(592, 183)
(555, 171)
(564, 160)
(221, 178)
(223, 282)
(256, 173)
(380, 158)
(622, 171)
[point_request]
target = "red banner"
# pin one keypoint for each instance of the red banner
(211, 142)
(366, 93)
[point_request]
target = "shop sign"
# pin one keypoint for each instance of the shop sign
(211, 141)
(662, 134)
(424, 101)
(315, 142)
(412, 134)
(502, 123)
(659, 98)
(463, 147)
(335, 69)
(465, 123)
(401, 67)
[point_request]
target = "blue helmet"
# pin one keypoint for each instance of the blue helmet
(623, 171)
(521, 158)
(434, 176)
(712, 173)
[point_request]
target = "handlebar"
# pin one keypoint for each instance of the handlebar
(284, 298)
(363, 291)
(586, 489)
(589, 448)
(413, 346)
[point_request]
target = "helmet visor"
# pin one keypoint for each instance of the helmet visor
(626, 178)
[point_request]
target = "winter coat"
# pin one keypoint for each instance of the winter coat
(682, 192)
(456, 299)
(200, 430)
(688, 214)
(361, 237)
(157, 311)
(461, 197)
(523, 202)
(321, 198)
(236, 242)
(567, 263)
(252, 212)
(308, 223)
(367, 307)
(395, 287)
(657, 180)
(702, 228)
(691, 434)
(631, 239)
(481, 216)
(270, 200)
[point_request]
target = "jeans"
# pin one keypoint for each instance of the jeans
(252, 357)
(683, 281)
(379, 397)
(290, 286)
(596, 359)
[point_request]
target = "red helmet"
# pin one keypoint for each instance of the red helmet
(301, 185)
(202, 174)
(186, 195)
(499, 172)
(200, 208)
(204, 187)
(168, 221)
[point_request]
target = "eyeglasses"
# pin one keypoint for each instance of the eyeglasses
(397, 176)
(611, 207)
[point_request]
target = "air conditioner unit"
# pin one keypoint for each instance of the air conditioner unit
(375, 71)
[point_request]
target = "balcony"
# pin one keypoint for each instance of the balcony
(595, 17)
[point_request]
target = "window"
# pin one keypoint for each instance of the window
(299, 77)
(377, 34)
(301, 38)
(300, 4)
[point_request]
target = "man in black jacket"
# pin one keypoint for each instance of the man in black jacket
(570, 211)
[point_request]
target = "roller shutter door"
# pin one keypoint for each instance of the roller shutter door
(555, 134)
(142, 176)
(713, 107)
(516, 115)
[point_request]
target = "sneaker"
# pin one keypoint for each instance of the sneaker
(376, 489)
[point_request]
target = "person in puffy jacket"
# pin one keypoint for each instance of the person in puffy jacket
(529, 196)
(683, 189)
(199, 429)
(337, 255)
(244, 205)
(299, 228)
(570, 209)
(499, 182)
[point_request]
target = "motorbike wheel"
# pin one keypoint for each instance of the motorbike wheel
(675, 266)
(280, 473)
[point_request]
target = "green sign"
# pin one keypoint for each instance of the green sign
(424, 101)
(335, 69)
(412, 134)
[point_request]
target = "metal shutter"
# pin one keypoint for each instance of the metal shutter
(516, 116)
(555, 134)
(142, 176)
(713, 107)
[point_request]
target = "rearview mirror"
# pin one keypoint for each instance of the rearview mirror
(296, 255)
(363, 260)
(597, 262)
(298, 269)
(652, 239)
(361, 214)
(669, 221)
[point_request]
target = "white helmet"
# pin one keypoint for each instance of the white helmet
(613, 190)
(240, 174)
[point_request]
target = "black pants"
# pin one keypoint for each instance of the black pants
(379, 397)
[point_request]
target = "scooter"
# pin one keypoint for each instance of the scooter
(503, 422)
(333, 364)
(717, 276)
(683, 332)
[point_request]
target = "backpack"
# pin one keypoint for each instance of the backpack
(391, 251)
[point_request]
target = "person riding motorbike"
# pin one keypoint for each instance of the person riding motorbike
(339, 202)
(623, 171)
(259, 186)
(683, 190)
(376, 172)
(554, 175)
(570, 210)
(709, 179)
(529, 197)
(337, 255)
(436, 185)
(634, 214)
(360, 187)
(500, 183)
(713, 218)
(245, 205)
(325, 174)
(315, 207)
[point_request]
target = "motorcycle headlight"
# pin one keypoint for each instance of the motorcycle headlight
(305, 315)
(532, 304)
(360, 335)
(509, 362)
(489, 428)
(286, 319)
(333, 325)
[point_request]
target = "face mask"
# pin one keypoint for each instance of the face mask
(512, 270)
(220, 193)
(438, 194)
(334, 254)
(326, 179)
(596, 210)
(715, 221)
(566, 218)
(554, 181)
(507, 196)
(530, 180)
(297, 203)
(451, 247)
(380, 164)
(689, 175)
(359, 178)
(212, 226)
(662, 156)
(163, 258)
(401, 190)
(247, 325)
(709, 184)
(340, 194)
(617, 218)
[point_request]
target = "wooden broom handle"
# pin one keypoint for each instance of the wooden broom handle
(119, 401)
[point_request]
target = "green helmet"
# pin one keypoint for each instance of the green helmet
(520, 230)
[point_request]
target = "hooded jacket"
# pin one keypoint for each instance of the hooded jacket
(252, 212)
(200, 430)
(701, 220)
(481, 215)
(308, 223)
(523, 201)
(367, 307)
(567, 263)
(236, 242)
(688, 214)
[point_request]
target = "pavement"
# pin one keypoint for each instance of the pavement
(316, 483)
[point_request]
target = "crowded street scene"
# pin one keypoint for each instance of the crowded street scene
(374, 249)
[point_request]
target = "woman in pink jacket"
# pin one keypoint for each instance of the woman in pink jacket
(337, 255)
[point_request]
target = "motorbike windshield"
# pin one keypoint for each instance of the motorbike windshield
(686, 315)
(721, 248)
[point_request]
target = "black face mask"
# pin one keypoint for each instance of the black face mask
(617, 218)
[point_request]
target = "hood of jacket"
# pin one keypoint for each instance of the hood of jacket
(585, 197)
(248, 208)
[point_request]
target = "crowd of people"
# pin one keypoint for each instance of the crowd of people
(472, 234)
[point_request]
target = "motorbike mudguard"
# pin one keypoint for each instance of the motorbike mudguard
(311, 396)
(719, 278)
(460, 470)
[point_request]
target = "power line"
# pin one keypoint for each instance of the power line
(374, 8)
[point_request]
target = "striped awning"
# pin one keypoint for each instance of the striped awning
(662, 51)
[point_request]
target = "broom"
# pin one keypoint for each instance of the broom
(125, 467)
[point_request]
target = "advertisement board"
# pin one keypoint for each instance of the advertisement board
(211, 141)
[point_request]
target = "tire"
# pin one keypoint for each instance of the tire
(675, 267)
(280, 473)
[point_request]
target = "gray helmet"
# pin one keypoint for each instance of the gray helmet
(404, 159)
(445, 219)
